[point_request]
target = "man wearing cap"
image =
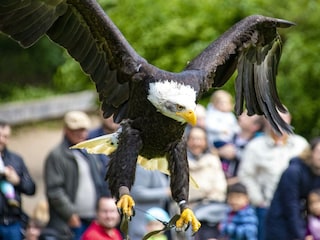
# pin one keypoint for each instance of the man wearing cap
(73, 181)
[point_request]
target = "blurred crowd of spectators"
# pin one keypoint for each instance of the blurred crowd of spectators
(247, 182)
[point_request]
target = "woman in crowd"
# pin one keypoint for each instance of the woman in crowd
(206, 169)
(286, 216)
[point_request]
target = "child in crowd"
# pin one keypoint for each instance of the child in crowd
(33, 229)
(241, 222)
(38, 221)
(313, 227)
(153, 216)
(221, 123)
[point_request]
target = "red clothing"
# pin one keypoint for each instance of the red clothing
(97, 232)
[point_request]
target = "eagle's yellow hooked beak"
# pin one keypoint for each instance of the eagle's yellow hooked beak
(189, 116)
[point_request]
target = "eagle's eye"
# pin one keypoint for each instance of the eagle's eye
(180, 107)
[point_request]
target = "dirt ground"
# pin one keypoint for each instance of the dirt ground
(33, 142)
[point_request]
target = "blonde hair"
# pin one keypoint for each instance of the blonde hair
(222, 100)
(41, 212)
(216, 96)
(306, 155)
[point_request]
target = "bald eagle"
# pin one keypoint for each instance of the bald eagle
(154, 105)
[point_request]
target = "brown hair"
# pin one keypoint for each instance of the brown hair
(4, 123)
(306, 154)
(315, 191)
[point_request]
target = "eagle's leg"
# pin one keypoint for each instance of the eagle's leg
(126, 202)
(179, 184)
(122, 168)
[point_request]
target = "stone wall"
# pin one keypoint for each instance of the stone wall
(49, 108)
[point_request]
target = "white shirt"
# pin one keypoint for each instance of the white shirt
(85, 200)
(220, 126)
(208, 174)
(1, 165)
(262, 165)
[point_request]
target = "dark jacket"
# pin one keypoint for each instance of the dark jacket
(26, 186)
(61, 179)
(286, 216)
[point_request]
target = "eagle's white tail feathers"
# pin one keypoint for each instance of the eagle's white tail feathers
(105, 144)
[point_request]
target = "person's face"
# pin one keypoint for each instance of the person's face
(109, 125)
(314, 204)
(223, 102)
(77, 135)
(316, 156)
(5, 133)
(249, 123)
(237, 201)
(107, 214)
(197, 141)
(286, 117)
(32, 232)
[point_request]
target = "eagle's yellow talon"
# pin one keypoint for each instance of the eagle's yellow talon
(126, 204)
(187, 216)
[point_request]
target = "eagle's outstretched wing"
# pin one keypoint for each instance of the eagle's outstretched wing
(87, 33)
(253, 47)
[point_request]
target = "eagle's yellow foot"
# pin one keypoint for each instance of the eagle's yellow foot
(187, 216)
(125, 205)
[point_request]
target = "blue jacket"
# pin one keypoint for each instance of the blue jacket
(241, 225)
(26, 185)
(285, 219)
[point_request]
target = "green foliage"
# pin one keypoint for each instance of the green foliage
(298, 79)
(170, 33)
(31, 92)
(22, 69)
(69, 77)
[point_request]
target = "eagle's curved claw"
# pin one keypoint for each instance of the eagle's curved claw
(126, 205)
(187, 216)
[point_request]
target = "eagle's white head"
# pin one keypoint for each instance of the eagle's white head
(174, 100)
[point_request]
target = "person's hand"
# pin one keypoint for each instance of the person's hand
(169, 191)
(11, 175)
(227, 151)
(309, 237)
(74, 221)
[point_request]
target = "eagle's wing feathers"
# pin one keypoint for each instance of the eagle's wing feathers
(256, 84)
(253, 47)
(27, 21)
(89, 36)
